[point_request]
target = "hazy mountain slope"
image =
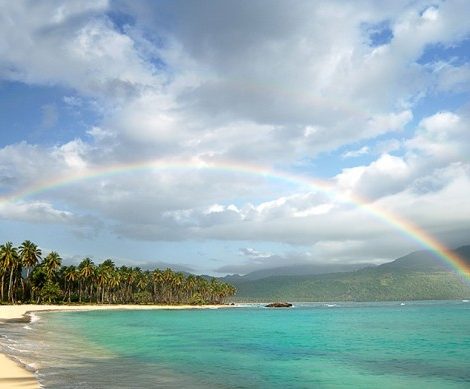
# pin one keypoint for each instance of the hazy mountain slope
(424, 261)
(417, 276)
(295, 270)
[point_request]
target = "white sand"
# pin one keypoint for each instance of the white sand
(14, 376)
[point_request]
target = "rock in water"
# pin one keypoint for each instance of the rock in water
(279, 305)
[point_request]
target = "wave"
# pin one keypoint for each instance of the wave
(30, 366)
(33, 318)
(250, 305)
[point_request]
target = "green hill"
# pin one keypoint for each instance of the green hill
(295, 270)
(417, 276)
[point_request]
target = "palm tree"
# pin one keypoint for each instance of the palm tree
(167, 278)
(130, 275)
(3, 271)
(190, 286)
(70, 276)
(142, 281)
(177, 284)
(30, 255)
(203, 288)
(157, 281)
(10, 262)
(87, 271)
(49, 280)
(114, 282)
(52, 264)
(103, 275)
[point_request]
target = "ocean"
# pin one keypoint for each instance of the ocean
(313, 345)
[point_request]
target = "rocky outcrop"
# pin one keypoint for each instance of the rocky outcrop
(279, 305)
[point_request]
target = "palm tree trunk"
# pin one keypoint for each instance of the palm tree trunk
(10, 286)
(3, 285)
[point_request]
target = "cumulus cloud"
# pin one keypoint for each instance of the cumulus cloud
(214, 95)
(72, 45)
(36, 211)
(221, 100)
(443, 136)
(275, 87)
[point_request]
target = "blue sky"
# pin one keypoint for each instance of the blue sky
(371, 97)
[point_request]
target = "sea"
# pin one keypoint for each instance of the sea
(312, 345)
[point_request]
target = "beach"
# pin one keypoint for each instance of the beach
(376, 344)
(15, 376)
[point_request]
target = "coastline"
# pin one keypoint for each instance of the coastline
(15, 376)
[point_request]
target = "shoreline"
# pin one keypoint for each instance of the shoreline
(15, 375)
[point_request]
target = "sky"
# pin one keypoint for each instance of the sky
(228, 111)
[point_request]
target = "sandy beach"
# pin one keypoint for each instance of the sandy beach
(14, 376)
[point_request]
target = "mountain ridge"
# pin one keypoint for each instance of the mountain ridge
(420, 275)
(302, 269)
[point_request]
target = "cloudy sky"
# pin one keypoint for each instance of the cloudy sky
(371, 97)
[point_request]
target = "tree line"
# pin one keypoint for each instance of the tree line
(27, 277)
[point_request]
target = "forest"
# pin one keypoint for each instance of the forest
(27, 277)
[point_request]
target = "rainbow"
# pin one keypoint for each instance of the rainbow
(399, 223)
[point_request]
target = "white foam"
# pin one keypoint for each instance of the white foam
(250, 305)
(32, 366)
(27, 327)
(33, 318)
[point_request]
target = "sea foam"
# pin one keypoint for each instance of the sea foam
(33, 318)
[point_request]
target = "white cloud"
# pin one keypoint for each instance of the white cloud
(356, 153)
(222, 101)
(451, 78)
(73, 154)
(442, 136)
(73, 101)
(388, 173)
(254, 254)
(274, 87)
(214, 95)
(77, 48)
(36, 211)
(390, 122)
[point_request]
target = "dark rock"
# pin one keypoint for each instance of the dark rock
(279, 305)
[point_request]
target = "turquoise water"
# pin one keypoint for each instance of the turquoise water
(311, 346)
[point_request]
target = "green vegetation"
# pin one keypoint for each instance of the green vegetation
(366, 285)
(418, 276)
(27, 278)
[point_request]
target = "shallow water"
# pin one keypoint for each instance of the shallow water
(387, 345)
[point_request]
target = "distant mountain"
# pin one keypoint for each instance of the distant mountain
(424, 260)
(417, 276)
(295, 270)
